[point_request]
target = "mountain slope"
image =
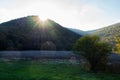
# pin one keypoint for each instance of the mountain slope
(80, 32)
(108, 33)
(31, 33)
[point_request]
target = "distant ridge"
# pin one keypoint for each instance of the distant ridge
(80, 32)
(108, 33)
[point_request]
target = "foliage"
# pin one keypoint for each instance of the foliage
(33, 70)
(94, 51)
(108, 34)
(117, 46)
(29, 33)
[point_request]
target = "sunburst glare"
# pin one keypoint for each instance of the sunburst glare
(43, 18)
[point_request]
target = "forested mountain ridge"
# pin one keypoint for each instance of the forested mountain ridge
(108, 33)
(31, 33)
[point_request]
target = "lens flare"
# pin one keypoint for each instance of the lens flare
(43, 18)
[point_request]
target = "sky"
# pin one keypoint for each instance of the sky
(79, 14)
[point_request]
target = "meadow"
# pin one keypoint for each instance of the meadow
(35, 70)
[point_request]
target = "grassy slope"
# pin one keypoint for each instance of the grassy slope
(38, 71)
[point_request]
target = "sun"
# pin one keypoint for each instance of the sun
(43, 18)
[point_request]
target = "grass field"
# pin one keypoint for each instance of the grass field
(29, 70)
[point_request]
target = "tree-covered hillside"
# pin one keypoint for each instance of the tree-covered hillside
(109, 33)
(31, 33)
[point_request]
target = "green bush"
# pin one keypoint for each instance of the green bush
(94, 51)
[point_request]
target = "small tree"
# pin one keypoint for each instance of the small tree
(94, 51)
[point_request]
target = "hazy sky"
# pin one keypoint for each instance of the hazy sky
(79, 14)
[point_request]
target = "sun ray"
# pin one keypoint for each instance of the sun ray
(43, 18)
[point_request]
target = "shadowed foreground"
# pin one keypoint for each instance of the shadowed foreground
(33, 70)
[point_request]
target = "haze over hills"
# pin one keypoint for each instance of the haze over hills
(31, 33)
(80, 32)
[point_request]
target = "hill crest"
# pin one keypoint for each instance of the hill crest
(30, 33)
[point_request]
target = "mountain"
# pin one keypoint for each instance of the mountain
(108, 33)
(31, 33)
(80, 32)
